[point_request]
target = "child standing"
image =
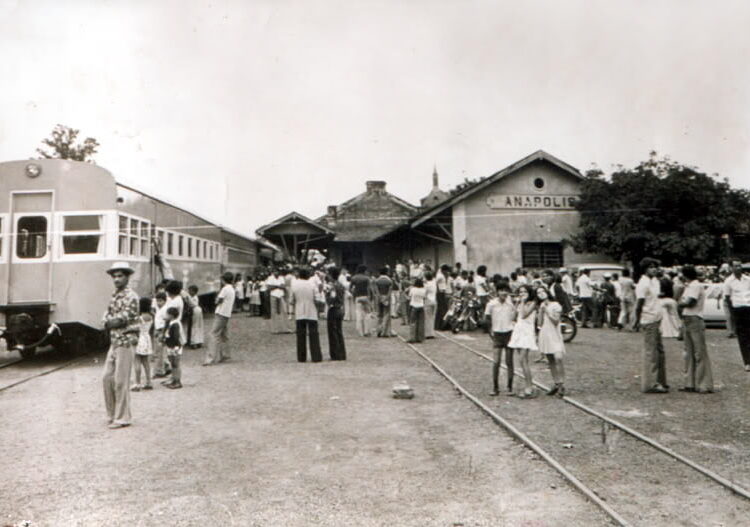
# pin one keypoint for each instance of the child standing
(500, 315)
(173, 343)
(550, 339)
(144, 349)
(523, 338)
(161, 366)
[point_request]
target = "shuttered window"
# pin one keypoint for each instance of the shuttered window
(540, 255)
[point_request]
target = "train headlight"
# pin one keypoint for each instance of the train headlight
(33, 170)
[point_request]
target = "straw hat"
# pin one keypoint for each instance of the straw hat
(121, 266)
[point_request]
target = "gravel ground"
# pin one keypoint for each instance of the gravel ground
(647, 487)
(263, 440)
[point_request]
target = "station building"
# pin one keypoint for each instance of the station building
(519, 216)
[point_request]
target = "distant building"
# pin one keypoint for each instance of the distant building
(519, 216)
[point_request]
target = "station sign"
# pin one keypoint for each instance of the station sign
(531, 201)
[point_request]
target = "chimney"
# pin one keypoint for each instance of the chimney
(331, 216)
(375, 186)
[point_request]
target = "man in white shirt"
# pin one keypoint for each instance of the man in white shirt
(567, 281)
(698, 377)
(648, 313)
(277, 292)
(500, 315)
(627, 301)
(737, 296)
(218, 348)
(586, 295)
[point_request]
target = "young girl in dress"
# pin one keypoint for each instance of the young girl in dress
(523, 338)
(551, 340)
(144, 349)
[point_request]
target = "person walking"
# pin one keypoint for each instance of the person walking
(218, 348)
(550, 339)
(500, 315)
(335, 298)
(648, 314)
(173, 342)
(586, 295)
(360, 287)
(523, 337)
(737, 295)
(122, 321)
(698, 375)
(306, 298)
(383, 287)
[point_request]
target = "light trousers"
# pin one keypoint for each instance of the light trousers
(116, 381)
(654, 369)
(218, 346)
(698, 372)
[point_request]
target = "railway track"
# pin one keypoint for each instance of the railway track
(39, 374)
(598, 469)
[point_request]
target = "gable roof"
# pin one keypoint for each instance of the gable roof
(539, 155)
(292, 216)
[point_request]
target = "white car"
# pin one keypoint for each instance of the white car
(713, 307)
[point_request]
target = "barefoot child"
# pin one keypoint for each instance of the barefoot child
(500, 314)
(144, 349)
(173, 344)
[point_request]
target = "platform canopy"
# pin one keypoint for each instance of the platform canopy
(296, 234)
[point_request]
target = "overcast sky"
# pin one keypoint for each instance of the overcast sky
(246, 110)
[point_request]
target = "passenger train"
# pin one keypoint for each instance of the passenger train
(63, 223)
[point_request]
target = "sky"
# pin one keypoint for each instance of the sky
(243, 111)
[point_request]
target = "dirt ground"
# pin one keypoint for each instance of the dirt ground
(264, 440)
(603, 368)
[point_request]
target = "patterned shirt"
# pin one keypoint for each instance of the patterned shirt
(124, 306)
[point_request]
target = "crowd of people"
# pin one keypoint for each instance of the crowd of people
(520, 312)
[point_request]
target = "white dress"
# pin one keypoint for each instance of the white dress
(524, 335)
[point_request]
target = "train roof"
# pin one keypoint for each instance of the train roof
(199, 216)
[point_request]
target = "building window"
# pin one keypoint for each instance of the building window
(145, 237)
(31, 237)
(540, 255)
(82, 234)
(539, 183)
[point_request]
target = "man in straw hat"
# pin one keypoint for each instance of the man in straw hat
(121, 319)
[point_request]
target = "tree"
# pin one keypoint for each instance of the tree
(659, 208)
(63, 145)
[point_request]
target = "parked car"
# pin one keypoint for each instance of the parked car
(713, 307)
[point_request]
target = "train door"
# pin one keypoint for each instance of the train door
(30, 272)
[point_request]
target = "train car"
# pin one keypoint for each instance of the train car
(62, 224)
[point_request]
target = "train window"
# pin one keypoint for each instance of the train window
(211, 249)
(205, 249)
(82, 234)
(31, 237)
(145, 237)
(1, 237)
(180, 244)
(123, 225)
(170, 244)
(198, 249)
(190, 247)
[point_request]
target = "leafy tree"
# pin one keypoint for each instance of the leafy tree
(63, 145)
(659, 208)
(464, 184)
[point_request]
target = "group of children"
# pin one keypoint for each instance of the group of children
(161, 333)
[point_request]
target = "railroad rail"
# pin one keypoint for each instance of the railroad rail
(630, 431)
(597, 498)
(40, 374)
